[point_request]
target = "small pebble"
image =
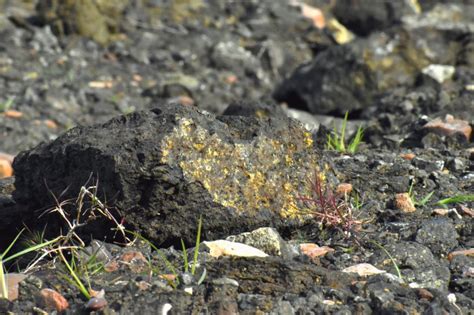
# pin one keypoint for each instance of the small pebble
(96, 304)
(404, 203)
(54, 300)
(344, 189)
(425, 294)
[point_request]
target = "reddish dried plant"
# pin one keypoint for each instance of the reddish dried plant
(329, 208)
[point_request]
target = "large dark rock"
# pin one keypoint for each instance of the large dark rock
(337, 80)
(365, 16)
(353, 76)
(163, 168)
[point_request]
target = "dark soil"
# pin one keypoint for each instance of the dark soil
(102, 95)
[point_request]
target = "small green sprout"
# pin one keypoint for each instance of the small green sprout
(421, 202)
(336, 139)
(356, 201)
(196, 250)
(6, 105)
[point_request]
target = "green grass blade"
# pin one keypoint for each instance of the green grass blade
(3, 282)
(202, 277)
(11, 245)
(342, 140)
(399, 274)
(29, 249)
(185, 256)
(77, 281)
(354, 145)
(6, 106)
(410, 190)
(456, 199)
(423, 201)
(196, 248)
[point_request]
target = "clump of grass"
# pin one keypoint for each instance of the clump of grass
(4, 259)
(77, 213)
(336, 139)
(75, 280)
(77, 270)
(418, 202)
(328, 208)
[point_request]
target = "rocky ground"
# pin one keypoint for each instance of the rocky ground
(140, 127)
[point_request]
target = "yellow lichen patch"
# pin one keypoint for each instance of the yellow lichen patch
(308, 139)
(260, 113)
(254, 175)
(198, 146)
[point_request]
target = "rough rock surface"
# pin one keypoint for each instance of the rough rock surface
(353, 76)
(365, 16)
(334, 82)
(164, 168)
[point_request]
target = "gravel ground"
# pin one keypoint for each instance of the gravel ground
(404, 71)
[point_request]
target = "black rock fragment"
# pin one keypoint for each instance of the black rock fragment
(164, 168)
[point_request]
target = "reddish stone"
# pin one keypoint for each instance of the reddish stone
(407, 156)
(111, 266)
(54, 300)
(135, 261)
(231, 79)
(467, 211)
(168, 277)
(314, 251)
(12, 113)
(133, 256)
(186, 100)
(404, 203)
(450, 126)
(51, 124)
(425, 294)
(466, 252)
(344, 189)
(6, 169)
(315, 14)
(6, 161)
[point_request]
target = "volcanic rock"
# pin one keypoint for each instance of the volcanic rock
(164, 168)
(335, 81)
(366, 16)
